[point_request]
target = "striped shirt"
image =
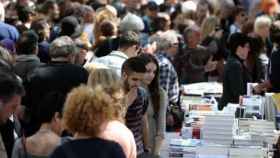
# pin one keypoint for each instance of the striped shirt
(134, 118)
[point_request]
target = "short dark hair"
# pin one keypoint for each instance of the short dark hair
(237, 39)
(128, 39)
(38, 26)
(47, 5)
(51, 103)
(27, 43)
(134, 64)
(152, 6)
(24, 12)
(238, 10)
(107, 28)
(10, 85)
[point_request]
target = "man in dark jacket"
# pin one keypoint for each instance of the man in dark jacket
(235, 76)
(27, 59)
(11, 91)
(193, 64)
(61, 75)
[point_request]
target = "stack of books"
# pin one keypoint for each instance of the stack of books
(247, 152)
(259, 132)
(218, 129)
(185, 148)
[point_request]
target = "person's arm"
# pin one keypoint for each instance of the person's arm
(275, 66)
(235, 81)
(146, 132)
(173, 92)
(161, 123)
(18, 151)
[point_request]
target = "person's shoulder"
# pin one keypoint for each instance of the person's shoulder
(233, 63)
(119, 131)
(163, 61)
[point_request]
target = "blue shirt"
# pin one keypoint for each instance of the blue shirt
(8, 32)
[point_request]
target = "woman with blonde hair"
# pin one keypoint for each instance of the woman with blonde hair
(211, 35)
(105, 13)
(262, 27)
(114, 130)
(87, 113)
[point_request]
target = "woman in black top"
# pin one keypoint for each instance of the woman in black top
(236, 75)
(86, 113)
(89, 148)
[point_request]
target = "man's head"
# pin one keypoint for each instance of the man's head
(11, 90)
(133, 72)
(63, 48)
(239, 15)
(239, 45)
(27, 43)
(152, 9)
(192, 35)
(129, 43)
(131, 22)
(166, 42)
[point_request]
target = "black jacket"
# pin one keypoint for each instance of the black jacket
(274, 73)
(235, 80)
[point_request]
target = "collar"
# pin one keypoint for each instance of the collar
(119, 54)
(161, 53)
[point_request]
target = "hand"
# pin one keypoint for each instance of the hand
(259, 89)
(211, 65)
(131, 96)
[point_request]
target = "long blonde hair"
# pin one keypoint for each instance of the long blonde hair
(208, 26)
(110, 81)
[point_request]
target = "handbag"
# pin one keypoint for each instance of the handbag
(174, 116)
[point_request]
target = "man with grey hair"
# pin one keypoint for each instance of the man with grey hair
(61, 75)
(193, 64)
(167, 47)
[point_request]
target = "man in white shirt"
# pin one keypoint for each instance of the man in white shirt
(128, 47)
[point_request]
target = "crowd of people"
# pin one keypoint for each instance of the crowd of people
(102, 78)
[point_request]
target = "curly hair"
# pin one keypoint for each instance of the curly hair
(86, 109)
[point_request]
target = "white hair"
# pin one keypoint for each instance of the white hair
(164, 40)
(131, 22)
(262, 21)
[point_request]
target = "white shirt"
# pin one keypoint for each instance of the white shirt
(114, 61)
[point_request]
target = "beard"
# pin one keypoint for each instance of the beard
(126, 85)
